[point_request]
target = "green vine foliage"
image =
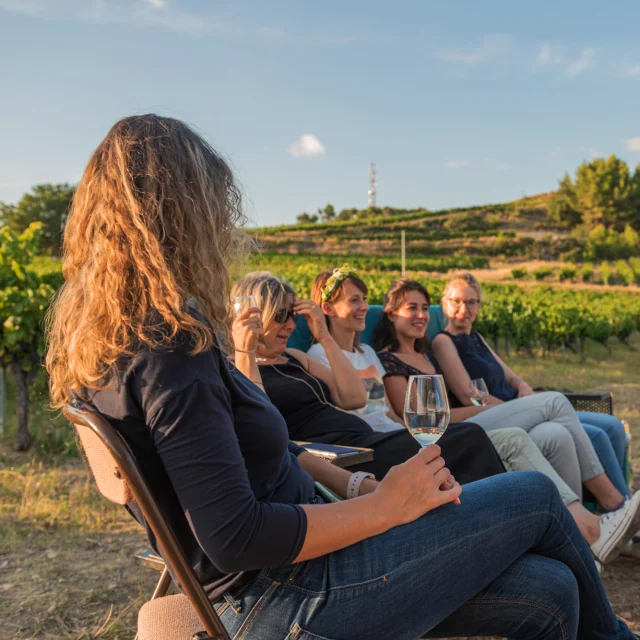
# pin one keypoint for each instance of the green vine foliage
(24, 299)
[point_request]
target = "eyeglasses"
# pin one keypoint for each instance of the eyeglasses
(282, 315)
(457, 303)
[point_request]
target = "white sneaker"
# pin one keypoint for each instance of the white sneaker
(616, 529)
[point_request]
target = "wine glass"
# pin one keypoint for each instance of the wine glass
(479, 393)
(240, 303)
(426, 408)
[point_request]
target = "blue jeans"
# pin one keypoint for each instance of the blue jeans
(612, 427)
(509, 561)
(605, 449)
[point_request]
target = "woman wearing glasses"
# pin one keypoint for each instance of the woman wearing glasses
(319, 401)
(463, 354)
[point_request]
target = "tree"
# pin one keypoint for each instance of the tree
(347, 214)
(24, 298)
(328, 213)
(47, 204)
(604, 192)
(563, 207)
(304, 218)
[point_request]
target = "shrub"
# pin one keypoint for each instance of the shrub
(606, 272)
(586, 273)
(625, 272)
(567, 272)
(519, 273)
(542, 273)
(634, 263)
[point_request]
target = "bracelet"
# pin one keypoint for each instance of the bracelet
(356, 479)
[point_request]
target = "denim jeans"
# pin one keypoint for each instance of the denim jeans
(509, 561)
(605, 450)
(612, 427)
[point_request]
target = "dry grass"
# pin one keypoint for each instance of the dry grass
(66, 569)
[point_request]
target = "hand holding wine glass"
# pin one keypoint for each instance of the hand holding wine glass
(247, 324)
(426, 410)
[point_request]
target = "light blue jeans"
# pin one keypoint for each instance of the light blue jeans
(609, 439)
(614, 429)
(509, 562)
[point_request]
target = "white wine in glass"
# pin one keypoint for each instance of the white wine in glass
(479, 393)
(426, 408)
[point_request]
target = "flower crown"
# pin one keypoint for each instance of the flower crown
(339, 275)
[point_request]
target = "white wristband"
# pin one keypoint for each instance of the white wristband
(356, 479)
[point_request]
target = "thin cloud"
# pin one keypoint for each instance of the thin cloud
(633, 144)
(491, 49)
(557, 56)
(551, 54)
(492, 163)
(629, 70)
(594, 153)
(168, 15)
(583, 62)
(307, 145)
(456, 164)
(24, 7)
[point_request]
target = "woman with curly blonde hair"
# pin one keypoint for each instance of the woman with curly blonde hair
(137, 333)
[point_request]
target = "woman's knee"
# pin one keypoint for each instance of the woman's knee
(535, 486)
(596, 434)
(553, 439)
(556, 602)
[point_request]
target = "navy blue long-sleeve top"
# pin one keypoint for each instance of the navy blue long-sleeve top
(217, 456)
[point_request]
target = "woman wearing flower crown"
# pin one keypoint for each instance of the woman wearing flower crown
(313, 398)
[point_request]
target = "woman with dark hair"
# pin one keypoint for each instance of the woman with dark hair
(404, 351)
(312, 396)
(152, 232)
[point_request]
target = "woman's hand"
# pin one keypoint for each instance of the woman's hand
(417, 486)
(524, 390)
(246, 329)
(315, 318)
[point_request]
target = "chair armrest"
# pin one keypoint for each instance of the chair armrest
(326, 494)
(597, 402)
(337, 454)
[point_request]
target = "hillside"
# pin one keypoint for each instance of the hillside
(510, 231)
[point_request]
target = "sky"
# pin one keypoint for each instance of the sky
(458, 103)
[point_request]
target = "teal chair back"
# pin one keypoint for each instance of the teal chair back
(301, 336)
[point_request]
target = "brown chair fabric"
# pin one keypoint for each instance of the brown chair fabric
(103, 467)
(168, 618)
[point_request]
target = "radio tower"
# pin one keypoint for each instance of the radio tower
(372, 184)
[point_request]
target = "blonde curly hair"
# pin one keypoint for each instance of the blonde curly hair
(153, 229)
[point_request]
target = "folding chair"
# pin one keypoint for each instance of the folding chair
(119, 479)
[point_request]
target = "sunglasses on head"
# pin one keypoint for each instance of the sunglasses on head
(282, 315)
